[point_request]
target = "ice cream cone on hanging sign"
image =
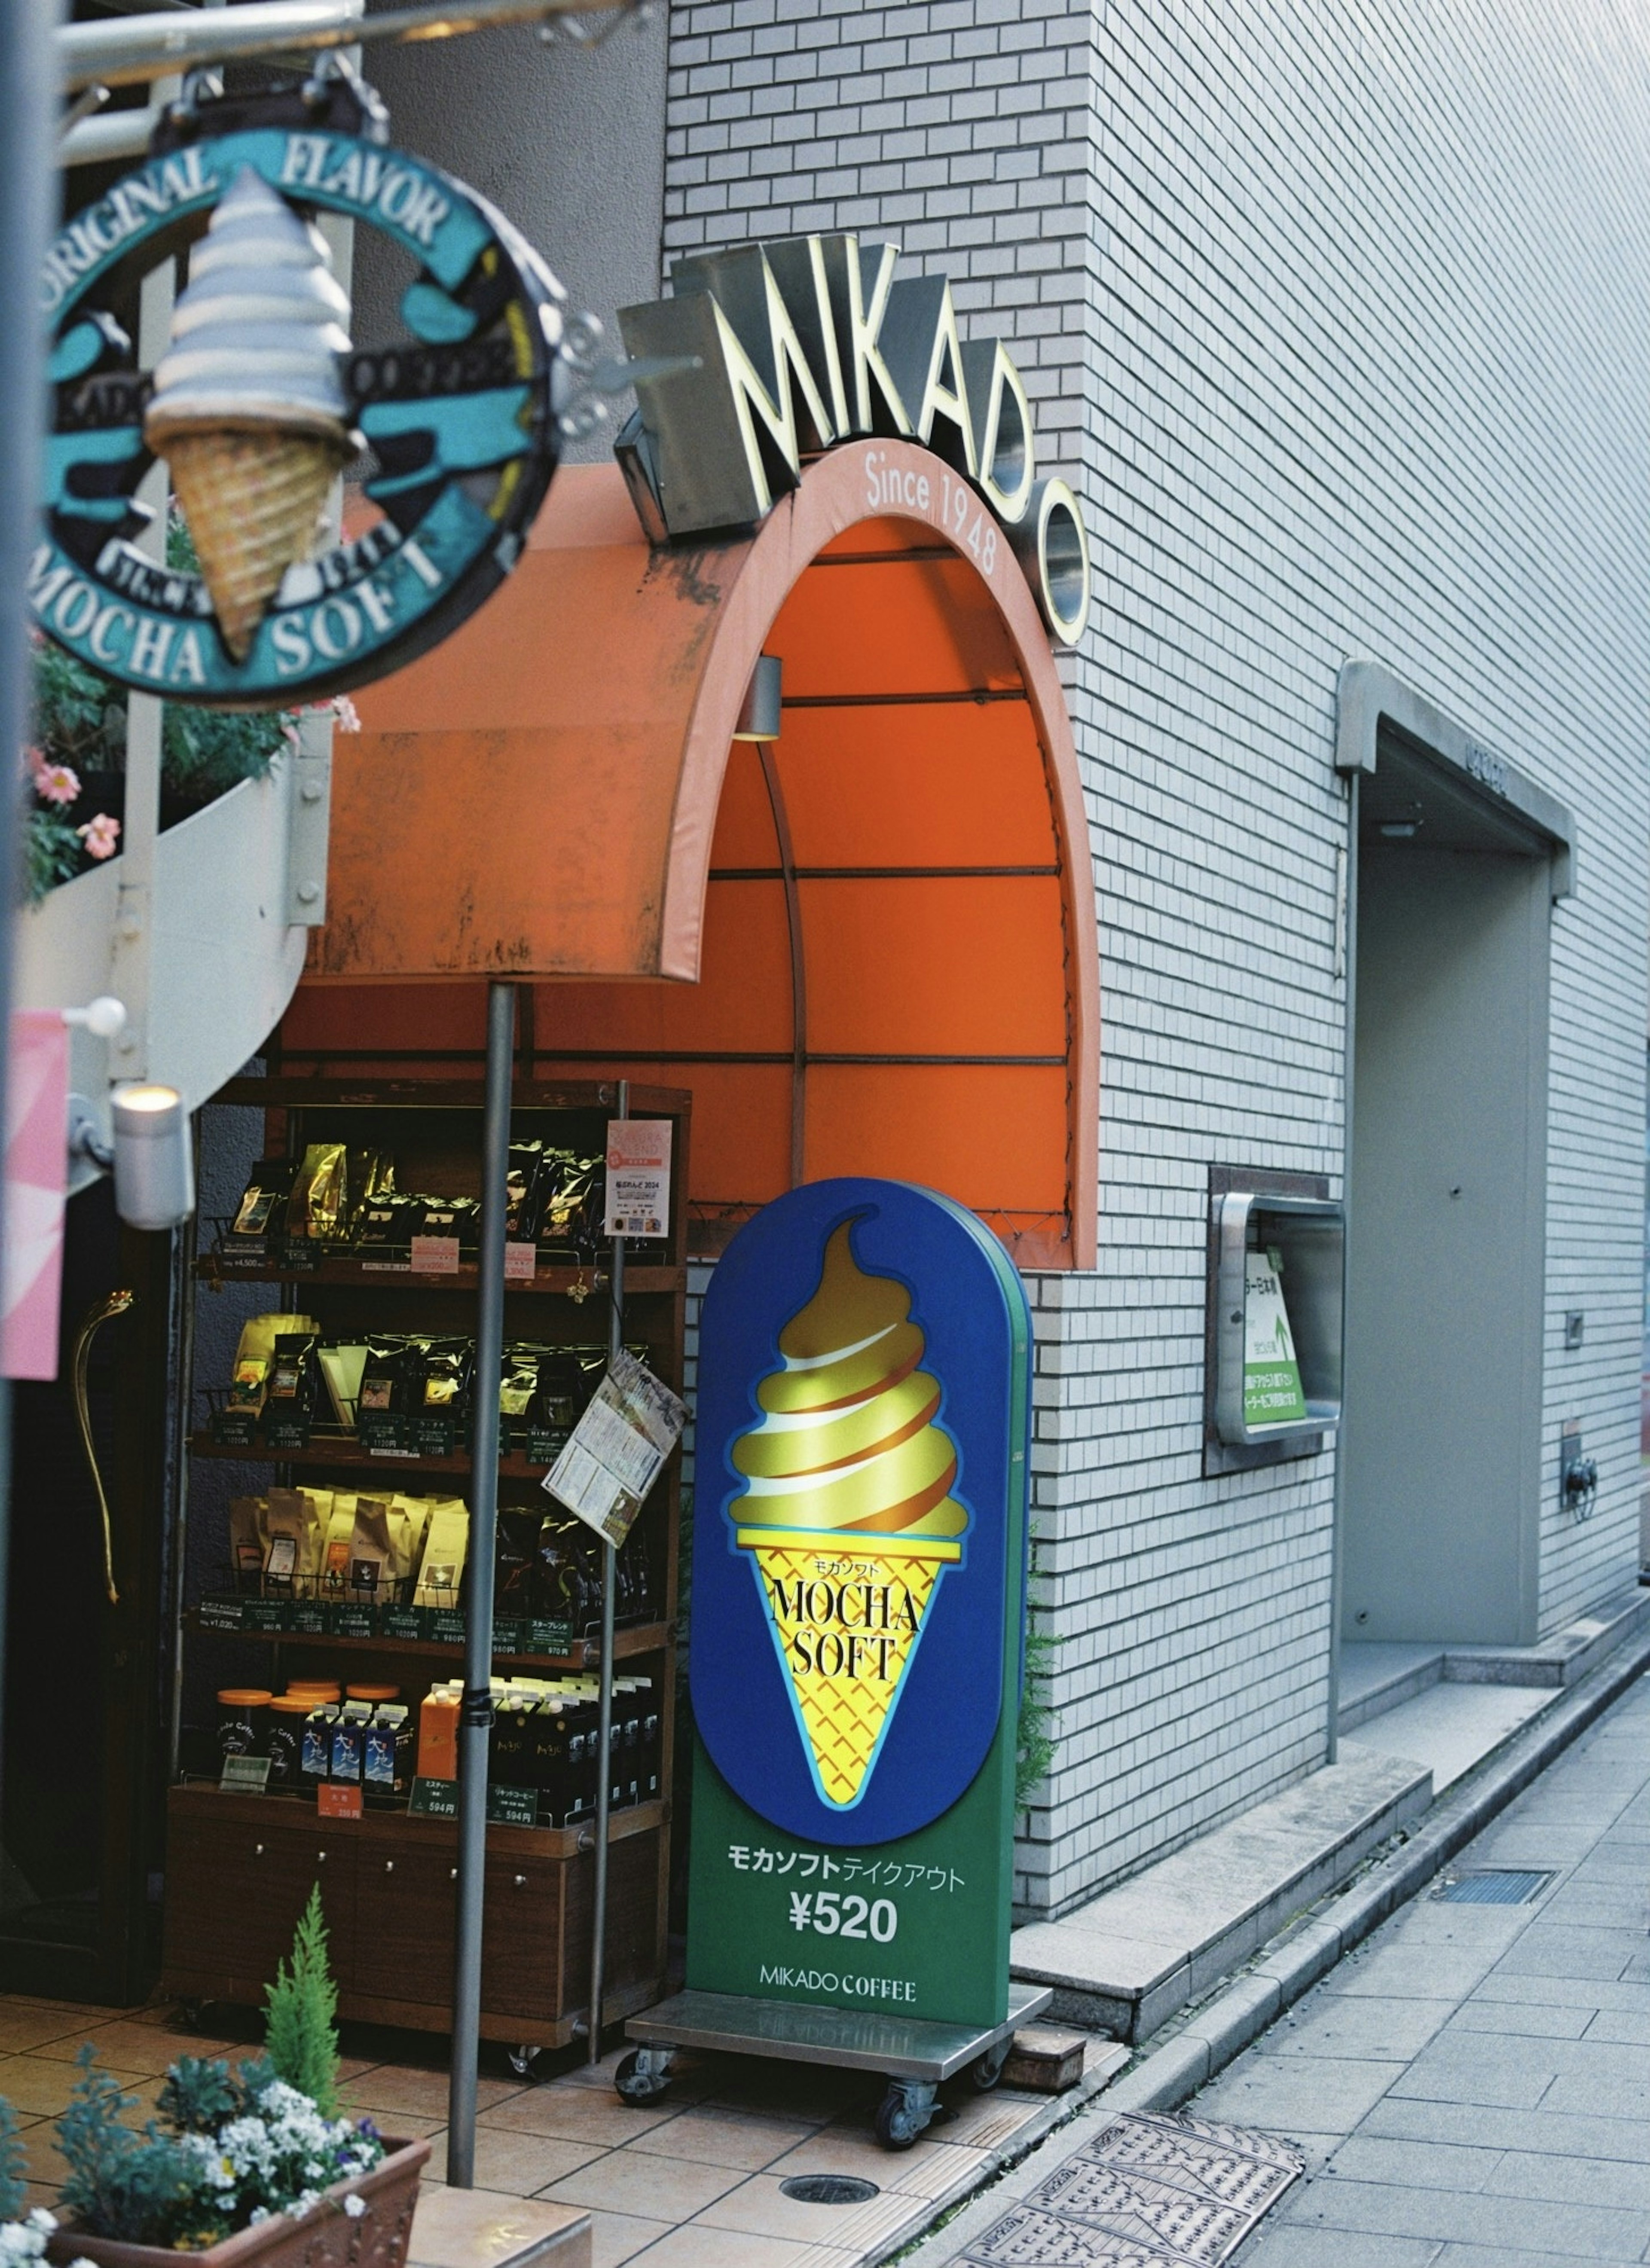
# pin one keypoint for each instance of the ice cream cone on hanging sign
(248, 408)
(847, 1511)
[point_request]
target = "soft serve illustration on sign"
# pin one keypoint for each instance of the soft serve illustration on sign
(847, 1511)
(858, 1604)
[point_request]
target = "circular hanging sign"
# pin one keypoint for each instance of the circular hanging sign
(259, 401)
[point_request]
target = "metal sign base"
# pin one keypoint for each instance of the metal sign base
(916, 2056)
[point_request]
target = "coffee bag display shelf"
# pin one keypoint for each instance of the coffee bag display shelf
(240, 1869)
(584, 1653)
(292, 1090)
(915, 2057)
(350, 1456)
(561, 1280)
(240, 1866)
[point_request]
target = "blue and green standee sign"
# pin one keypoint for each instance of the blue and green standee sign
(460, 418)
(858, 1605)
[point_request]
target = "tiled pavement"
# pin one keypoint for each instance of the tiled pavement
(1472, 2087)
(694, 2179)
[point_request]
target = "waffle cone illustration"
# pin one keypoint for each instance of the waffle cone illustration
(847, 1511)
(248, 406)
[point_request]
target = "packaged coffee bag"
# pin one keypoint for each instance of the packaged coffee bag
(293, 1384)
(247, 1543)
(295, 1528)
(524, 1192)
(441, 1569)
(341, 1363)
(571, 1220)
(318, 1193)
(515, 1559)
(370, 1552)
(448, 1367)
(261, 1212)
(259, 1334)
(409, 1517)
(384, 1227)
(334, 1564)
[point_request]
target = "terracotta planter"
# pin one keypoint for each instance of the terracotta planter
(325, 2237)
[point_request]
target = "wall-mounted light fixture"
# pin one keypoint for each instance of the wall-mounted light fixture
(759, 713)
(154, 1172)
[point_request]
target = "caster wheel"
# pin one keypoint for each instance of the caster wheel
(986, 2071)
(522, 2060)
(637, 2080)
(903, 2114)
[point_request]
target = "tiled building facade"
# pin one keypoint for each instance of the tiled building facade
(1335, 319)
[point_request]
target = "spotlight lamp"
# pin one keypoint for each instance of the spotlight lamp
(154, 1171)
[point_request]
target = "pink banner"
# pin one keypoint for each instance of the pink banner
(36, 1174)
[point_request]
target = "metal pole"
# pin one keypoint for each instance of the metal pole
(476, 1714)
(609, 1589)
(27, 192)
(1337, 1533)
(129, 51)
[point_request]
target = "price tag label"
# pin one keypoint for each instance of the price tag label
(434, 1799)
(245, 1775)
(435, 1255)
(342, 1801)
(521, 1262)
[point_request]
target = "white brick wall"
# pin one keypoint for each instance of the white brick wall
(1337, 316)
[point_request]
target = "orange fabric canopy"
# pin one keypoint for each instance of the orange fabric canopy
(884, 922)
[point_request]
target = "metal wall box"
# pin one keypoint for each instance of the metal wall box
(1309, 1235)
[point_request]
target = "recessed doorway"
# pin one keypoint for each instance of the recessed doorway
(1446, 1226)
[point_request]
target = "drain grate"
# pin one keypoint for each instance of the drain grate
(830, 2188)
(1147, 2192)
(1494, 1886)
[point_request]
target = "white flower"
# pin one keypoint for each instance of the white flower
(46, 2222)
(354, 2205)
(259, 2212)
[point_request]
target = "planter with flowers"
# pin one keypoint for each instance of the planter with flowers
(240, 2167)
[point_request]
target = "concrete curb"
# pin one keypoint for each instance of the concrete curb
(1299, 1957)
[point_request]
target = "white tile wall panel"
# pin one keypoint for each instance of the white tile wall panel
(1337, 316)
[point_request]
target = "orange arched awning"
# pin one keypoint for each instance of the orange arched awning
(881, 927)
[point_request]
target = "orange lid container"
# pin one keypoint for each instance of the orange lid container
(243, 1697)
(372, 1693)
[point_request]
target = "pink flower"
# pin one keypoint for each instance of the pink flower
(54, 783)
(101, 836)
(344, 714)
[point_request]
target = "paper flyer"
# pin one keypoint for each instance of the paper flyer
(614, 1455)
(1271, 1375)
(638, 1198)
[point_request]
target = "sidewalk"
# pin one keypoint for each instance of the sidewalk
(1470, 2088)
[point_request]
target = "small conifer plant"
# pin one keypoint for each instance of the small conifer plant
(301, 2034)
(13, 2166)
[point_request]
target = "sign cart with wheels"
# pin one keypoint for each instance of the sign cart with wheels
(916, 2057)
(858, 1648)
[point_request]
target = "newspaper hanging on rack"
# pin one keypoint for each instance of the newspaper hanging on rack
(614, 1455)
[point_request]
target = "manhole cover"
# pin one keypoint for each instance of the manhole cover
(1148, 2191)
(1494, 1886)
(828, 2189)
